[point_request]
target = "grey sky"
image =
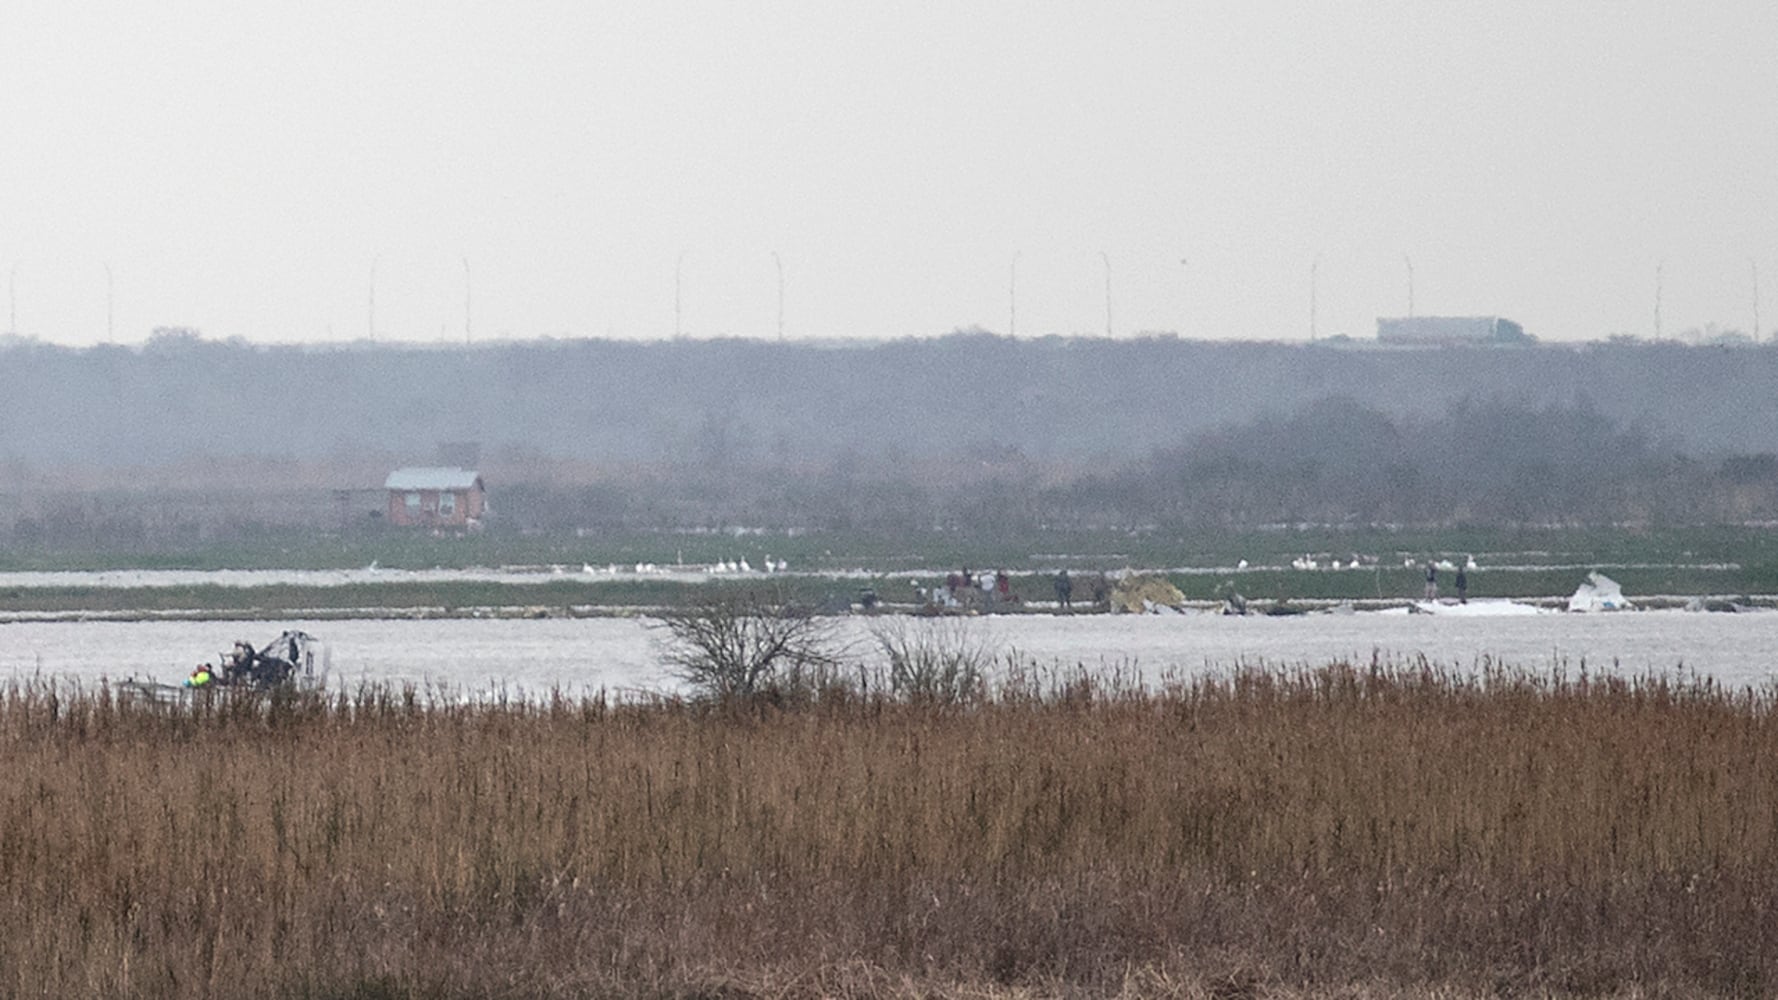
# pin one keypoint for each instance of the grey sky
(245, 168)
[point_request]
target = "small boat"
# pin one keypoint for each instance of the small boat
(295, 660)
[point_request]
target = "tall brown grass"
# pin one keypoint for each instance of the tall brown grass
(1372, 830)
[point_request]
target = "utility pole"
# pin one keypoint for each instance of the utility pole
(1012, 297)
(1658, 268)
(780, 262)
(1185, 265)
(1107, 258)
(1753, 265)
(1314, 266)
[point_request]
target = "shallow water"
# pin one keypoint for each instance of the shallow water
(578, 655)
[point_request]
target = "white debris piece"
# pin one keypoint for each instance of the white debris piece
(1486, 608)
(1599, 593)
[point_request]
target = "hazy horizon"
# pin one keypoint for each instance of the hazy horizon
(635, 171)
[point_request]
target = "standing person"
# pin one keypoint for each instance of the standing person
(1064, 590)
(1462, 587)
(1101, 591)
(1431, 580)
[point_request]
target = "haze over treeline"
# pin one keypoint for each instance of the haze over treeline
(910, 432)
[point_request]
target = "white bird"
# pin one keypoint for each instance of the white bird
(744, 567)
(1469, 562)
(1241, 565)
(587, 568)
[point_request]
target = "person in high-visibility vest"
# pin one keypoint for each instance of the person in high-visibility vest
(200, 677)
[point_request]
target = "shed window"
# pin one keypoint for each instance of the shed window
(447, 503)
(412, 501)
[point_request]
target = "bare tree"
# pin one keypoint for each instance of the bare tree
(739, 645)
(938, 660)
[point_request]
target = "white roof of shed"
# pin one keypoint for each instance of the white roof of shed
(420, 478)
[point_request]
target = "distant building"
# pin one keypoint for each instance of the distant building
(1422, 331)
(446, 497)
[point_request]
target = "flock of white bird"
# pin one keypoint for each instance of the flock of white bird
(1366, 562)
(721, 566)
(742, 566)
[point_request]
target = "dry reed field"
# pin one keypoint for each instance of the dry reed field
(1356, 831)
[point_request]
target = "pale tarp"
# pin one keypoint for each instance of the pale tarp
(1145, 594)
(1599, 593)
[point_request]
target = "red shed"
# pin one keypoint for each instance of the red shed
(436, 497)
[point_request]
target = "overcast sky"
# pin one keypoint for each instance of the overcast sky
(624, 169)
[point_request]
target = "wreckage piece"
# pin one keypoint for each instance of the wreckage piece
(1145, 593)
(1599, 593)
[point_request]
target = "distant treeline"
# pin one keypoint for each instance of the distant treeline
(184, 439)
(179, 397)
(1335, 461)
(1340, 461)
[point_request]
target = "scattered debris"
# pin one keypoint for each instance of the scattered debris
(1724, 605)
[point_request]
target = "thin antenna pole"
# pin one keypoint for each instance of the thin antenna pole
(371, 308)
(1012, 296)
(780, 262)
(678, 274)
(1410, 263)
(1314, 266)
(1184, 265)
(1658, 268)
(110, 306)
(1107, 258)
(1753, 265)
(467, 337)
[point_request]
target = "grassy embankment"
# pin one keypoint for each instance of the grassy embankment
(1021, 550)
(1723, 560)
(1348, 832)
(576, 594)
